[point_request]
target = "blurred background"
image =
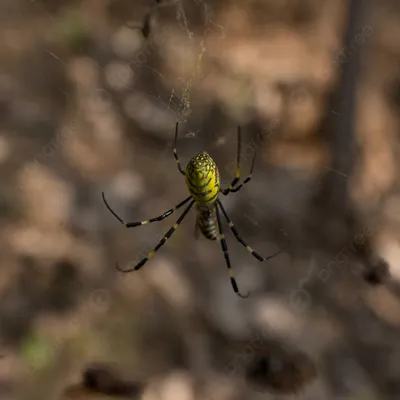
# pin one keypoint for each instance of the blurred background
(90, 92)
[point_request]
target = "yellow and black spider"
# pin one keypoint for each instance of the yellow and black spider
(203, 182)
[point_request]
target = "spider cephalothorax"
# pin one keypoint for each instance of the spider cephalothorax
(203, 182)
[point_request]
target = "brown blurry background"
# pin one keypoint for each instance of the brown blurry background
(90, 92)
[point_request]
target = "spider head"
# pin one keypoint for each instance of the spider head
(202, 179)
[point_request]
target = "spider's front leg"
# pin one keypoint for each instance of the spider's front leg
(231, 188)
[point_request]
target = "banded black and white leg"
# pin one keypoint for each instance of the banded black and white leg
(161, 243)
(231, 188)
(226, 254)
(239, 238)
(155, 219)
(176, 153)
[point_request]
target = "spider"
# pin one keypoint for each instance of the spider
(203, 182)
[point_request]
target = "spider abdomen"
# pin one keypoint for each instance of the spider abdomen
(202, 179)
(207, 223)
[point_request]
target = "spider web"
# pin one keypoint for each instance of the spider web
(178, 101)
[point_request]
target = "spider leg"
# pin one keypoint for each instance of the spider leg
(231, 188)
(175, 152)
(248, 248)
(159, 218)
(161, 243)
(226, 254)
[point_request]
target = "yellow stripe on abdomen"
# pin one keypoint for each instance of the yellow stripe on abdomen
(202, 179)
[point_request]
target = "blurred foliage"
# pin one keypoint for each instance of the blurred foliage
(73, 32)
(36, 352)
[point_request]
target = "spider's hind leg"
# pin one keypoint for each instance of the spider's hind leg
(244, 244)
(226, 254)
